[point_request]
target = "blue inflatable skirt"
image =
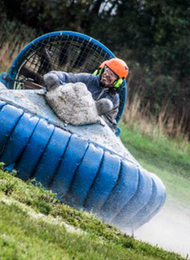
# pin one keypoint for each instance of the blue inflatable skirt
(86, 166)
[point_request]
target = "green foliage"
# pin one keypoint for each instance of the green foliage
(152, 36)
(50, 15)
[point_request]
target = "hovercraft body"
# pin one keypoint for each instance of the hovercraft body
(87, 166)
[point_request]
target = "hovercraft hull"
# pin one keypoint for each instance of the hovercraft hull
(87, 170)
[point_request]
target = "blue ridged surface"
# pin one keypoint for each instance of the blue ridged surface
(70, 162)
(51, 157)
(83, 174)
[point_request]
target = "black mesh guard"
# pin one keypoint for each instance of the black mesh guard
(62, 52)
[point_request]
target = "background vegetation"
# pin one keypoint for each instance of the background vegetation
(152, 36)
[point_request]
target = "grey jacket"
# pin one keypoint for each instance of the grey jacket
(93, 84)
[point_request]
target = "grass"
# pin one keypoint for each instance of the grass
(34, 225)
(163, 157)
(166, 153)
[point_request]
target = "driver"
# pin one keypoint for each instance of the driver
(103, 84)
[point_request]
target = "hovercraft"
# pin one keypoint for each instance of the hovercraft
(87, 166)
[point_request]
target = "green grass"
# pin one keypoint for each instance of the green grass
(33, 226)
(167, 158)
(163, 153)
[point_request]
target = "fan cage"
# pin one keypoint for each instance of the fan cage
(60, 51)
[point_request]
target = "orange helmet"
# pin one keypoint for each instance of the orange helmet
(118, 66)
